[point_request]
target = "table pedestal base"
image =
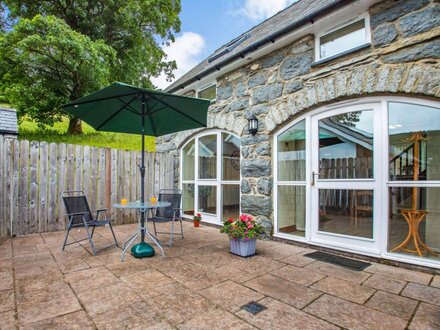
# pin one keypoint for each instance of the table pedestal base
(142, 250)
(413, 218)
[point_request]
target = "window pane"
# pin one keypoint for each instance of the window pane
(208, 93)
(292, 153)
(346, 146)
(414, 142)
(346, 212)
(348, 37)
(188, 199)
(231, 157)
(420, 209)
(292, 210)
(231, 201)
(207, 199)
(188, 161)
(208, 157)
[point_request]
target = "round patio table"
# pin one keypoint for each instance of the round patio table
(141, 208)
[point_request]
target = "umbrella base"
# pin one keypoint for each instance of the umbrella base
(142, 250)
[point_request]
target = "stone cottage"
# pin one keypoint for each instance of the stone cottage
(347, 151)
(8, 123)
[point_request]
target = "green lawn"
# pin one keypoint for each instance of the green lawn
(29, 130)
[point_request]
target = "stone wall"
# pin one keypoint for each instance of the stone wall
(404, 59)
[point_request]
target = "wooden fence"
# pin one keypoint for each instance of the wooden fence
(34, 174)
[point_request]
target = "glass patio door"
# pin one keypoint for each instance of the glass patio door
(345, 195)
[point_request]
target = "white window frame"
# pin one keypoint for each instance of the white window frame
(383, 183)
(218, 182)
(365, 16)
(206, 87)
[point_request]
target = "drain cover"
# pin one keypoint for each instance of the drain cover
(253, 307)
(338, 260)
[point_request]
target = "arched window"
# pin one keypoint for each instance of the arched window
(362, 176)
(210, 176)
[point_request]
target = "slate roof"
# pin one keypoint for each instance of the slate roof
(8, 121)
(283, 22)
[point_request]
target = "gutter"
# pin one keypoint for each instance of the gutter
(269, 39)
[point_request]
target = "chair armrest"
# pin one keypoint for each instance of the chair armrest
(77, 213)
(99, 211)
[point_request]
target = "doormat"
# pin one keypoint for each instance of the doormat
(338, 260)
(253, 307)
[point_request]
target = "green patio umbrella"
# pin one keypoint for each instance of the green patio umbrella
(128, 109)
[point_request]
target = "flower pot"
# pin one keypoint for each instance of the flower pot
(242, 247)
(196, 223)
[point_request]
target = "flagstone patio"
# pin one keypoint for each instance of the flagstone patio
(199, 285)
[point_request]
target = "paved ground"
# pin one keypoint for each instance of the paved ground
(199, 285)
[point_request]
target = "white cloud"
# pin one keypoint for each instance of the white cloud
(262, 9)
(185, 51)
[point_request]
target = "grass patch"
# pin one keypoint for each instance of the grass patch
(29, 130)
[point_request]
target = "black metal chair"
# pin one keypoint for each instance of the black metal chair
(170, 213)
(79, 215)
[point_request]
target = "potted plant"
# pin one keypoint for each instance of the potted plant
(196, 219)
(243, 234)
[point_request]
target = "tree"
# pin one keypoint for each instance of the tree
(134, 28)
(45, 64)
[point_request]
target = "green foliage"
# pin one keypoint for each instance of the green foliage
(29, 130)
(243, 228)
(133, 28)
(45, 64)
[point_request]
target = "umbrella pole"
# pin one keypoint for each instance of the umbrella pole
(142, 167)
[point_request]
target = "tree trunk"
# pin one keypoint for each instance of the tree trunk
(75, 126)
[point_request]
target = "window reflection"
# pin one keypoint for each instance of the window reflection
(188, 161)
(414, 142)
(207, 199)
(231, 157)
(292, 153)
(292, 210)
(208, 157)
(231, 201)
(346, 146)
(346, 212)
(188, 199)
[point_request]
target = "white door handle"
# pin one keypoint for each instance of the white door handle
(313, 177)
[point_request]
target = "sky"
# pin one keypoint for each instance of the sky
(209, 24)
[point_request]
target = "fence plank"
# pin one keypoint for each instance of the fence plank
(62, 160)
(8, 179)
(101, 180)
(43, 182)
(3, 229)
(93, 176)
(86, 173)
(15, 186)
(23, 215)
(33, 188)
(78, 167)
(52, 213)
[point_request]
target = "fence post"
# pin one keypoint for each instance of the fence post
(108, 177)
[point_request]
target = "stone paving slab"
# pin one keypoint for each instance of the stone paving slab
(200, 285)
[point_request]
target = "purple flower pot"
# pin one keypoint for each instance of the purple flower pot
(242, 247)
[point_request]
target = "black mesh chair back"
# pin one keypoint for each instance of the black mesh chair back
(76, 202)
(172, 196)
(78, 214)
(170, 213)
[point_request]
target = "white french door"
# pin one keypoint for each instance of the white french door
(344, 178)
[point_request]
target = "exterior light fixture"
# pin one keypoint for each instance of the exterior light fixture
(253, 125)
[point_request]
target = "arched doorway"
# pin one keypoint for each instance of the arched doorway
(210, 176)
(353, 176)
